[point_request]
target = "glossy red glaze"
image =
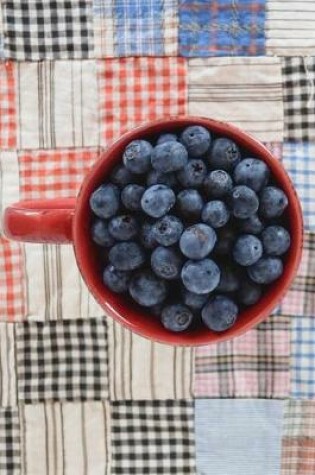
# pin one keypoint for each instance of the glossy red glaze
(20, 222)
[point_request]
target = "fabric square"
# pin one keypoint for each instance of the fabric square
(68, 438)
(11, 281)
(299, 419)
(298, 159)
(9, 441)
(137, 90)
(302, 358)
(1, 34)
(234, 89)
(254, 365)
(298, 456)
(289, 27)
(54, 29)
(235, 437)
(135, 28)
(140, 368)
(221, 27)
(300, 298)
(155, 437)
(8, 107)
(62, 361)
(58, 104)
(298, 95)
(7, 366)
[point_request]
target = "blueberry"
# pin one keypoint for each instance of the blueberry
(200, 277)
(189, 204)
(168, 230)
(137, 156)
(176, 317)
(244, 202)
(224, 154)
(218, 184)
(166, 263)
(273, 202)
(166, 138)
(157, 200)
(147, 236)
(251, 225)
(157, 178)
(104, 201)
(247, 250)
(101, 235)
(251, 172)
(266, 270)
(121, 176)
(116, 280)
(196, 139)
(147, 289)
(276, 240)
(193, 174)
(123, 227)
(192, 300)
(126, 256)
(220, 313)
(225, 241)
(169, 157)
(249, 293)
(197, 241)
(131, 196)
(215, 213)
(230, 279)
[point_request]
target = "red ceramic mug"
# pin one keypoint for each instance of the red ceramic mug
(68, 220)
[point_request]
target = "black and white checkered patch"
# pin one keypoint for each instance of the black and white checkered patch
(62, 361)
(153, 437)
(299, 98)
(47, 29)
(9, 441)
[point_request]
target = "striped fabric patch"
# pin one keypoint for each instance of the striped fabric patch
(57, 104)
(235, 437)
(234, 89)
(300, 299)
(254, 365)
(137, 90)
(141, 369)
(8, 387)
(66, 438)
(289, 27)
(221, 27)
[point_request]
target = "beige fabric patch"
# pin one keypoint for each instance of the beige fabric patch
(142, 369)
(244, 91)
(7, 366)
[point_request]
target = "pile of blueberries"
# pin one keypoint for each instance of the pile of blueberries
(194, 231)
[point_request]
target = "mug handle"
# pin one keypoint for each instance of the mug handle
(42, 221)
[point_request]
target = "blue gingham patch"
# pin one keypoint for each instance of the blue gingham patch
(303, 354)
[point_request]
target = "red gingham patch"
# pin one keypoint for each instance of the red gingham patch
(136, 90)
(11, 281)
(298, 456)
(7, 105)
(54, 173)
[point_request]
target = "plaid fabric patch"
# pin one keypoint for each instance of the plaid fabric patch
(302, 358)
(298, 456)
(221, 27)
(11, 281)
(299, 162)
(54, 29)
(7, 105)
(62, 361)
(254, 365)
(153, 437)
(54, 173)
(299, 419)
(9, 442)
(136, 90)
(298, 94)
(300, 299)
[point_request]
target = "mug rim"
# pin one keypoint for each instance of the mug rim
(108, 300)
